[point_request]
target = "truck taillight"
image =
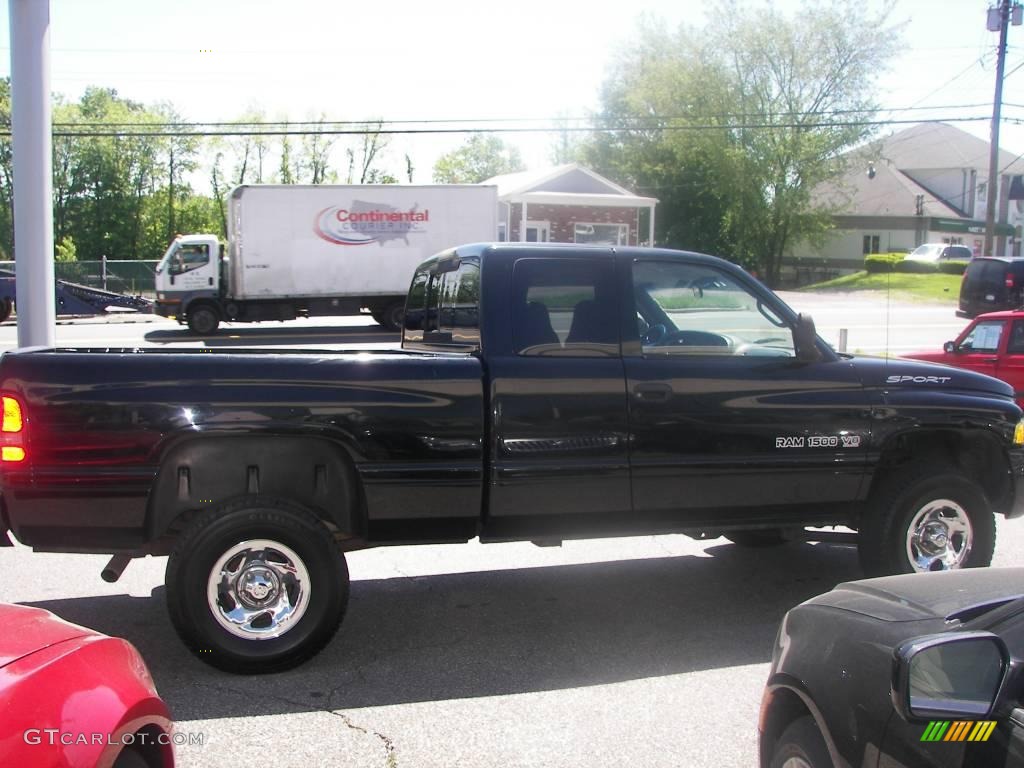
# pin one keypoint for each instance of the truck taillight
(1009, 280)
(11, 431)
(13, 422)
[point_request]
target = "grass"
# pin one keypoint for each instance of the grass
(937, 287)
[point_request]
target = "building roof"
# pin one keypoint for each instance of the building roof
(935, 146)
(903, 163)
(890, 193)
(569, 184)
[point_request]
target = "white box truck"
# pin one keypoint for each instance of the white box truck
(305, 251)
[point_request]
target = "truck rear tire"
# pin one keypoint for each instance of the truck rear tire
(203, 320)
(926, 518)
(257, 585)
(5, 309)
(391, 316)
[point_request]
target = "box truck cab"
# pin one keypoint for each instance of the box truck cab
(189, 275)
(317, 250)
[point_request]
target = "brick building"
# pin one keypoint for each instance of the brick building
(571, 204)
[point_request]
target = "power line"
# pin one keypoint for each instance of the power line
(654, 119)
(161, 132)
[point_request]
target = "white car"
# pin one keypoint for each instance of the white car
(940, 252)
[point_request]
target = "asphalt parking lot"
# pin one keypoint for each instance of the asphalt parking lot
(648, 651)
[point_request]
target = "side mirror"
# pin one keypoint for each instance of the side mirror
(952, 676)
(805, 338)
(949, 348)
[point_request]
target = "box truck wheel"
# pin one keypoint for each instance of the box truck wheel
(203, 319)
(257, 585)
(391, 316)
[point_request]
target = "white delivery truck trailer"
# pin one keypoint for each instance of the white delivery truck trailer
(306, 251)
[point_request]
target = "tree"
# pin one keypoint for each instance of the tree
(362, 162)
(480, 158)
(316, 155)
(732, 126)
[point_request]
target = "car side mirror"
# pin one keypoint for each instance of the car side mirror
(805, 338)
(951, 676)
(949, 348)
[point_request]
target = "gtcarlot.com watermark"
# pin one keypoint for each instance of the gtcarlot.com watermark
(54, 736)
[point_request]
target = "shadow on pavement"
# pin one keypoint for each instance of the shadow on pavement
(254, 336)
(490, 633)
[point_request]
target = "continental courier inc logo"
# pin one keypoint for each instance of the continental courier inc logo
(958, 730)
(363, 223)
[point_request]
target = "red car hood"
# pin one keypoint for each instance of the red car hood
(27, 630)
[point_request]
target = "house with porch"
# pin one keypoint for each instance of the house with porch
(571, 204)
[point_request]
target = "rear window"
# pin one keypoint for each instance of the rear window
(443, 307)
(987, 272)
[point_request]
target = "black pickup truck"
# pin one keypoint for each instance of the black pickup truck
(541, 393)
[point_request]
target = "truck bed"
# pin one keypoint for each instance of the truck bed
(131, 438)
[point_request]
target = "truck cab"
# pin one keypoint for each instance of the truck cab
(188, 272)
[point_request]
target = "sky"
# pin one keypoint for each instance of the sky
(414, 60)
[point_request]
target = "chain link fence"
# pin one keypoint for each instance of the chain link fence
(127, 276)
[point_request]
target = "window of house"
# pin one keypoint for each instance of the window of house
(872, 244)
(601, 234)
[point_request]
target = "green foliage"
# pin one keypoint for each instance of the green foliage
(953, 267)
(882, 262)
(731, 127)
(916, 267)
(480, 158)
(935, 287)
(65, 250)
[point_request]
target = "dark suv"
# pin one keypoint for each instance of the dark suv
(990, 284)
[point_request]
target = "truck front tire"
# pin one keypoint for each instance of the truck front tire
(257, 585)
(926, 518)
(203, 320)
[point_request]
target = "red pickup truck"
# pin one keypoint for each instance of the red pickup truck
(992, 344)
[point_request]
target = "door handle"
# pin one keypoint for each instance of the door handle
(990, 360)
(653, 392)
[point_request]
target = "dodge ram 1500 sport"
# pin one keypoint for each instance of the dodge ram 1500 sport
(541, 393)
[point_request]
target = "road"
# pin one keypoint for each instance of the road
(646, 651)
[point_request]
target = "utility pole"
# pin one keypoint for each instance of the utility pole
(998, 20)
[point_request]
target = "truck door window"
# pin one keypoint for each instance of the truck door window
(984, 337)
(564, 307)
(189, 257)
(694, 309)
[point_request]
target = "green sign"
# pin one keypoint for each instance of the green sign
(967, 226)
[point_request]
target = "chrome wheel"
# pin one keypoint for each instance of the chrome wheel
(796, 762)
(258, 589)
(939, 537)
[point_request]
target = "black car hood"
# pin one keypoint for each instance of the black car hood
(913, 597)
(891, 373)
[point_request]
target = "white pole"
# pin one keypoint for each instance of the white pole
(33, 170)
(650, 232)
